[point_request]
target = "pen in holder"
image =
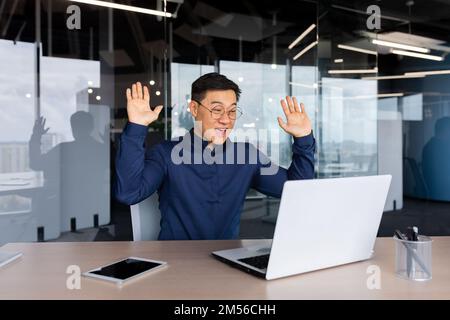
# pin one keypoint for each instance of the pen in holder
(413, 258)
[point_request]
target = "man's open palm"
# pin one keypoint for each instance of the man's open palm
(298, 123)
(138, 105)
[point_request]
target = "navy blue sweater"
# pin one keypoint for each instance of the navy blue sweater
(201, 199)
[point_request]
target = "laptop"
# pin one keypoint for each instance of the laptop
(321, 223)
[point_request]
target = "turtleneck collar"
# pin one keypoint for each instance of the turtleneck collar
(196, 140)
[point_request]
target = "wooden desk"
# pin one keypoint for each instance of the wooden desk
(194, 274)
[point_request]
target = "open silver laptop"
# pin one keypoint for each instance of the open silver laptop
(321, 223)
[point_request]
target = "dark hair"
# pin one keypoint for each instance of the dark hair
(212, 81)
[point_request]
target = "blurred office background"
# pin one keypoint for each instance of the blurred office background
(376, 86)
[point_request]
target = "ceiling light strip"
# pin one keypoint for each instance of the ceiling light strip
(351, 48)
(402, 76)
(400, 46)
(374, 70)
(305, 50)
(124, 7)
(417, 55)
(300, 37)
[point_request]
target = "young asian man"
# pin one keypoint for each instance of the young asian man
(203, 199)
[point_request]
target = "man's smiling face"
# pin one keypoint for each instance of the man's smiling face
(216, 113)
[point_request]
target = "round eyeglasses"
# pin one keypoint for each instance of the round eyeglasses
(218, 112)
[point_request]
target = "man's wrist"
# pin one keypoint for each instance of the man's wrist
(135, 129)
(138, 122)
(304, 140)
(302, 135)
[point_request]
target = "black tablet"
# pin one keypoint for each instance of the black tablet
(126, 269)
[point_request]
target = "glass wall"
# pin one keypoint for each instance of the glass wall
(65, 67)
(17, 105)
(348, 102)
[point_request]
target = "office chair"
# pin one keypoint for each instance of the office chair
(145, 219)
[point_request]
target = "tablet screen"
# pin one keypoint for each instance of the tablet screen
(126, 268)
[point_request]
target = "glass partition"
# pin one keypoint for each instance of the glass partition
(65, 67)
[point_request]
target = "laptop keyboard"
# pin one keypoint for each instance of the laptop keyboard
(260, 262)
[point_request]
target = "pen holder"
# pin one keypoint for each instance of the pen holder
(413, 258)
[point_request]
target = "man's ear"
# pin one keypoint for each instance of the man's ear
(194, 108)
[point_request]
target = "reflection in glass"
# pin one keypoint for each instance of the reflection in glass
(72, 151)
(17, 105)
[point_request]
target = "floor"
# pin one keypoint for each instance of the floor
(259, 216)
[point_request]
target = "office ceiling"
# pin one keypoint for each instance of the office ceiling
(209, 30)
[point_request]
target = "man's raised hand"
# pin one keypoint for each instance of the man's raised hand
(138, 105)
(298, 123)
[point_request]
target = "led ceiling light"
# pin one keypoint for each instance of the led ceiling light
(427, 73)
(300, 37)
(124, 7)
(351, 48)
(374, 70)
(388, 95)
(307, 48)
(417, 55)
(400, 46)
(401, 76)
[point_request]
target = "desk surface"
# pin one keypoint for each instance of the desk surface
(193, 274)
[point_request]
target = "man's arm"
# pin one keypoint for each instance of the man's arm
(269, 178)
(138, 175)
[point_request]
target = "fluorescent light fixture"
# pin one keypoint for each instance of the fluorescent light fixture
(389, 95)
(307, 48)
(124, 7)
(351, 48)
(380, 95)
(417, 55)
(304, 85)
(338, 60)
(427, 73)
(401, 76)
(374, 70)
(400, 46)
(300, 37)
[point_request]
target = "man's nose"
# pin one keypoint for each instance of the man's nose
(225, 119)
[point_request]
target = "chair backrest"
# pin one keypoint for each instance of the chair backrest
(145, 219)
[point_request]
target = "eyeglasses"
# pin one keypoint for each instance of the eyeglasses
(218, 112)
